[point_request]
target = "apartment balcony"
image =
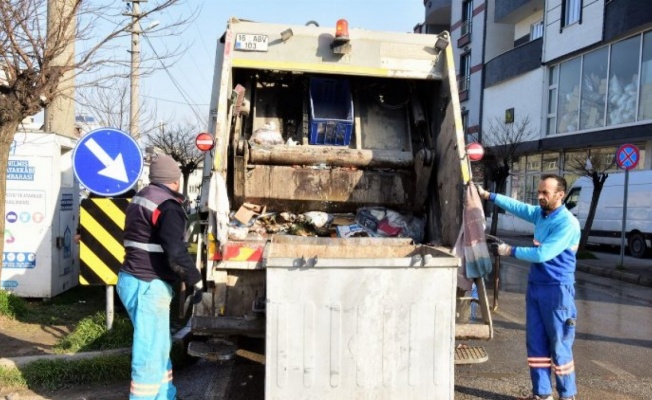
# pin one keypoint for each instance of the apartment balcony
(438, 12)
(625, 16)
(515, 62)
(513, 11)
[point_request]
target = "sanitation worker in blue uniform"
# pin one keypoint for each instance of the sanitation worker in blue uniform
(550, 297)
(155, 257)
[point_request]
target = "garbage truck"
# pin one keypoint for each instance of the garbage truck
(332, 198)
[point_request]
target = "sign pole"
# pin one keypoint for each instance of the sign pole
(109, 307)
(107, 162)
(627, 157)
(622, 232)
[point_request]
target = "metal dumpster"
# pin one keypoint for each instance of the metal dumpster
(359, 318)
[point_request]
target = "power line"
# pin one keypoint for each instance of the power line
(174, 82)
(174, 101)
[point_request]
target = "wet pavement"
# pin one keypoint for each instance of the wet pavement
(612, 346)
(607, 262)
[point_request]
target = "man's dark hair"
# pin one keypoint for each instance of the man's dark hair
(561, 182)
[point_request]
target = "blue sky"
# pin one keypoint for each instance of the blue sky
(194, 71)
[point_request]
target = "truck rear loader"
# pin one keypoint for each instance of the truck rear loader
(332, 200)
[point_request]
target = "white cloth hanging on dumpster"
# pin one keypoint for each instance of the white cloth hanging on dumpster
(471, 244)
(218, 202)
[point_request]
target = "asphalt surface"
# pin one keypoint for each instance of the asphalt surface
(607, 263)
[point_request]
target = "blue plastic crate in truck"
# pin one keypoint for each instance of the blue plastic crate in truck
(331, 112)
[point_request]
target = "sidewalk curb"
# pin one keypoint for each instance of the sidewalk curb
(616, 274)
(17, 362)
(645, 281)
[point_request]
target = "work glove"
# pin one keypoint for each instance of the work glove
(500, 249)
(484, 195)
(198, 292)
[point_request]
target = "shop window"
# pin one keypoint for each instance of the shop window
(569, 96)
(606, 87)
(550, 163)
(572, 159)
(645, 101)
(594, 88)
(517, 174)
(605, 158)
(532, 178)
(623, 81)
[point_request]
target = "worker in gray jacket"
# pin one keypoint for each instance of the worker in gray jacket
(155, 257)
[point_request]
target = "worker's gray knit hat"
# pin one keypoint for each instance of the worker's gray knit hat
(163, 169)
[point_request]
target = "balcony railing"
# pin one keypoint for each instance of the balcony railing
(465, 28)
(464, 83)
(517, 61)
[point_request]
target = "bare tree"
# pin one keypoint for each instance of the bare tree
(179, 143)
(503, 141)
(108, 103)
(595, 166)
(37, 64)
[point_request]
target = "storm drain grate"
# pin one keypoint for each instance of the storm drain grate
(470, 355)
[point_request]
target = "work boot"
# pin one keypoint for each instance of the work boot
(537, 397)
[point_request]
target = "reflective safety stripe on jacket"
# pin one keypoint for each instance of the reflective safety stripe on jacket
(150, 247)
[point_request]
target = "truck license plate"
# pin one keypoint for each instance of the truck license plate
(250, 42)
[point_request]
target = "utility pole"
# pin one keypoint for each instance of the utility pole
(59, 115)
(136, 31)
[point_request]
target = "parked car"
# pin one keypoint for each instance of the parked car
(608, 222)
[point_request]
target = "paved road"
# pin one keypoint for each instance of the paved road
(612, 351)
(613, 348)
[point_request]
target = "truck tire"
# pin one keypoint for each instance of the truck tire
(637, 245)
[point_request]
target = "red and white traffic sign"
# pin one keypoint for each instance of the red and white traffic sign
(204, 141)
(627, 156)
(475, 151)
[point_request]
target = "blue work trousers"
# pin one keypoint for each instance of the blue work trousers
(148, 305)
(550, 332)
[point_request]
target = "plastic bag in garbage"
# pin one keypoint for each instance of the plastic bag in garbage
(378, 221)
(267, 135)
(318, 219)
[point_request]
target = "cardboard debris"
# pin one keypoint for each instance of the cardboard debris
(353, 230)
(341, 219)
(247, 211)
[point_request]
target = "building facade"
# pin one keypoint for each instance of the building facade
(578, 72)
(466, 23)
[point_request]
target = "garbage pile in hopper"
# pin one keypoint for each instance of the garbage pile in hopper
(366, 222)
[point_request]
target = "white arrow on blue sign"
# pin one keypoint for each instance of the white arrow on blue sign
(107, 161)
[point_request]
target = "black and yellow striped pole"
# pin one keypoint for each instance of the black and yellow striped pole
(101, 229)
(101, 252)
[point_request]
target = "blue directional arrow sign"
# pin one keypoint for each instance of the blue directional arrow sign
(107, 161)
